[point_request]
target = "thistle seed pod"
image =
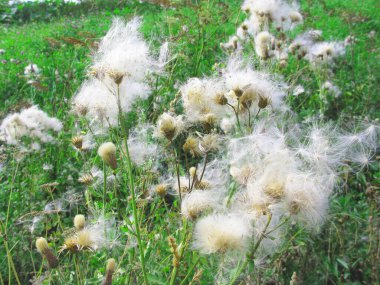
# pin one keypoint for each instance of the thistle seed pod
(107, 151)
(44, 249)
(77, 142)
(110, 269)
(79, 222)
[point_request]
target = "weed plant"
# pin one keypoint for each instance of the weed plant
(159, 148)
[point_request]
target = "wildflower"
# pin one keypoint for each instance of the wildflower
(77, 142)
(95, 235)
(31, 122)
(161, 190)
(44, 249)
(197, 202)
(86, 179)
(169, 126)
(263, 41)
(209, 143)
(218, 233)
(107, 151)
(32, 70)
(191, 146)
(121, 65)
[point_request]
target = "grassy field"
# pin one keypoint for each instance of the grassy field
(346, 250)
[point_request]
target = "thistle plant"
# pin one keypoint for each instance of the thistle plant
(215, 181)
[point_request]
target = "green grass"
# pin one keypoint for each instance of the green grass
(346, 251)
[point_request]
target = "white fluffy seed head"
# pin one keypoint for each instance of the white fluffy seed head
(169, 126)
(263, 41)
(197, 202)
(221, 233)
(107, 151)
(32, 122)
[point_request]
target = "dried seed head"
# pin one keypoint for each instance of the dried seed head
(283, 63)
(294, 207)
(209, 143)
(275, 190)
(161, 190)
(247, 98)
(81, 110)
(77, 142)
(192, 146)
(70, 244)
(202, 185)
(84, 240)
(261, 208)
(263, 102)
(295, 17)
(79, 222)
(238, 92)
(86, 179)
(208, 121)
(116, 76)
(107, 151)
(169, 126)
(220, 99)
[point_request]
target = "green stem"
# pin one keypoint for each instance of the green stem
(104, 188)
(132, 189)
(251, 255)
(182, 249)
(190, 270)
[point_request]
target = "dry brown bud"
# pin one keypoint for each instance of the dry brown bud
(77, 141)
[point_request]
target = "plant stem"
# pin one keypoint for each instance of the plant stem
(204, 167)
(236, 115)
(104, 187)
(182, 249)
(176, 157)
(132, 189)
(251, 255)
(190, 270)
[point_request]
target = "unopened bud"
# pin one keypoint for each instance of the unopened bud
(44, 249)
(107, 151)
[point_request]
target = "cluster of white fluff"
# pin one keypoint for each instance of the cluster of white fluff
(32, 73)
(119, 74)
(285, 172)
(310, 47)
(32, 123)
(262, 16)
(212, 101)
(267, 24)
(140, 144)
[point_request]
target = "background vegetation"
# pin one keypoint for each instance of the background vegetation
(60, 38)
